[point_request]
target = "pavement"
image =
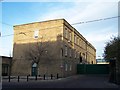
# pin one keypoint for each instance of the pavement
(76, 81)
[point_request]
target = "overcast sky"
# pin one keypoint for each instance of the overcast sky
(97, 33)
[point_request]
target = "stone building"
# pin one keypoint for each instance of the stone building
(50, 47)
(6, 64)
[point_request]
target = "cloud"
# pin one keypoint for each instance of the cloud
(101, 35)
(85, 11)
(81, 11)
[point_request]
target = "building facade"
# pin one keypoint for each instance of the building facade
(6, 64)
(50, 47)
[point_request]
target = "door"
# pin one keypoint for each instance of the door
(34, 69)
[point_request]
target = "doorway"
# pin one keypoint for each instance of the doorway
(34, 69)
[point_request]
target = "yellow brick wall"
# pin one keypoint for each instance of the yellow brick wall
(53, 33)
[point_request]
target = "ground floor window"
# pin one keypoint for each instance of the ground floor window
(70, 67)
(66, 66)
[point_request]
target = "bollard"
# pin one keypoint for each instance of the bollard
(9, 78)
(51, 76)
(44, 76)
(27, 78)
(35, 77)
(57, 75)
(18, 78)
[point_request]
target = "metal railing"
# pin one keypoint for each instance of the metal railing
(28, 77)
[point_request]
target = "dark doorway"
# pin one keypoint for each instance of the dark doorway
(92, 62)
(34, 69)
(80, 59)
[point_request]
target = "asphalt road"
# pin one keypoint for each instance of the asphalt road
(77, 81)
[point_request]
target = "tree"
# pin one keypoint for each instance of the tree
(111, 49)
(39, 51)
(112, 53)
(36, 52)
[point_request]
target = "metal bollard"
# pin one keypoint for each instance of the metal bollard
(35, 77)
(57, 75)
(18, 78)
(51, 76)
(9, 78)
(44, 76)
(27, 78)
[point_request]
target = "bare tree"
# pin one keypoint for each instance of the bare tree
(36, 52)
(39, 51)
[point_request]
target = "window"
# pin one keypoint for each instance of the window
(78, 40)
(80, 59)
(61, 52)
(65, 32)
(84, 55)
(75, 53)
(36, 33)
(78, 54)
(70, 52)
(75, 38)
(70, 36)
(66, 67)
(65, 50)
(70, 67)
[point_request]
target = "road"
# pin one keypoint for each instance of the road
(77, 81)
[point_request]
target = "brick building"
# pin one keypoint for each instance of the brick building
(55, 46)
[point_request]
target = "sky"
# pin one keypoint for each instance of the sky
(97, 33)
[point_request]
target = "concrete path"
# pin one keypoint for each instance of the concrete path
(77, 81)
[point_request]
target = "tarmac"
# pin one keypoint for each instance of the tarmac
(76, 81)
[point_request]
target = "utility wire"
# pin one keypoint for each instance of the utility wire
(96, 20)
(27, 31)
(6, 23)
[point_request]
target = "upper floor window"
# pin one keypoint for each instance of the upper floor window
(78, 55)
(84, 55)
(70, 52)
(66, 32)
(70, 36)
(65, 50)
(75, 53)
(78, 40)
(36, 33)
(75, 38)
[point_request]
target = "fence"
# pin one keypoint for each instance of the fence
(93, 69)
(28, 78)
